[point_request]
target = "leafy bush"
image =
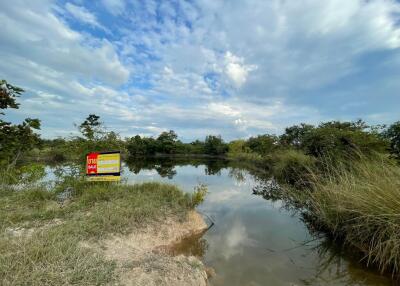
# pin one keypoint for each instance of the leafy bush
(292, 167)
(214, 145)
(393, 135)
(27, 175)
(294, 135)
(342, 143)
(263, 144)
(15, 139)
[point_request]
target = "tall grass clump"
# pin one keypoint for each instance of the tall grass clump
(292, 167)
(360, 204)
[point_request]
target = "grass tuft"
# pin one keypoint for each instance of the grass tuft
(361, 205)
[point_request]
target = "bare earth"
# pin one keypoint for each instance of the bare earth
(141, 257)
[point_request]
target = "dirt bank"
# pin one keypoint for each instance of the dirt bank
(142, 256)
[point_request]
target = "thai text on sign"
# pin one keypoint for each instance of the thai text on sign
(103, 166)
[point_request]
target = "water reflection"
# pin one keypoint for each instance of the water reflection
(194, 245)
(254, 240)
(165, 167)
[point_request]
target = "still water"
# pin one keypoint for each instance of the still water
(254, 241)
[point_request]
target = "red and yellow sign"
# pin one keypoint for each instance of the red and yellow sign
(104, 166)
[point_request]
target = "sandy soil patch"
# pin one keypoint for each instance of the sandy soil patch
(142, 258)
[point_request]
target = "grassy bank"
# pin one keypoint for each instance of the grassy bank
(40, 237)
(358, 204)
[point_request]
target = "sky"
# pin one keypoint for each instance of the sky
(232, 68)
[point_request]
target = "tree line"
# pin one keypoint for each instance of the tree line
(333, 138)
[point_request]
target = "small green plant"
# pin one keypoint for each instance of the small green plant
(198, 196)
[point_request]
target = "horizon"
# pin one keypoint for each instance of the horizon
(233, 69)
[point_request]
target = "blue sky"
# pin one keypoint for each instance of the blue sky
(234, 68)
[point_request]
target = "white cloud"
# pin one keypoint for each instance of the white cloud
(83, 15)
(35, 37)
(116, 7)
(65, 73)
(236, 70)
(223, 109)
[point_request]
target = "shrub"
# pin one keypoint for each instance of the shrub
(393, 135)
(292, 167)
(263, 144)
(198, 196)
(342, 143)
(214, 145)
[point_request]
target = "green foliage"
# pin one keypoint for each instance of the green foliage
(341, 142)
(263, 144)
(29, 174)
(145, 146)
(196, 147)
(335, 139)
(214, 145)
(8, 95)
(292, 167)
(237, 147)
(393, 135)
(91, 128)
(294, 135)
(15, 139)
(198, 196)
(166, 142)
(360, 205)
(96, 138)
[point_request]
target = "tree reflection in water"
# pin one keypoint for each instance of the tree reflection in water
(165, 166)
(336, 263)
(319, 261)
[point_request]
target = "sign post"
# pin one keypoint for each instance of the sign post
(103, 166)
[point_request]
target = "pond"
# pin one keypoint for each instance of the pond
(253, 241)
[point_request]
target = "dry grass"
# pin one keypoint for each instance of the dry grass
(53, 255)
(361, 205)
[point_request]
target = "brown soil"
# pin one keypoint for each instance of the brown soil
(143, 258)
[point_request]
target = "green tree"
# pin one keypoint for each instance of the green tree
(358, 125)
(393, 135)
(214, 145)
(8, 95)
(342, 139)
(167, 142)
(136, 146)
(91, 128)
(263, 144)
(15, 139)
(294, 135)
(151, 145)
(196, 147)
(238, 146)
